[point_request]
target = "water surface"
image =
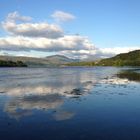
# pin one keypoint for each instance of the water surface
(100, 103)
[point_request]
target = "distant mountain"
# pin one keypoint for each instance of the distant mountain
(125, 59)
(60, 59)
(50, 61)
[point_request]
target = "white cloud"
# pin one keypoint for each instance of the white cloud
(71, 42)
(15, 16)
(33, 29)
(30, 29)
(61, 16)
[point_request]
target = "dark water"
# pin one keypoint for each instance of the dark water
(101, 103)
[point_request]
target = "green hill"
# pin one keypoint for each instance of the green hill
(12, 64)
(125, 59)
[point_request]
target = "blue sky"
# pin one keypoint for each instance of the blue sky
(106, 23)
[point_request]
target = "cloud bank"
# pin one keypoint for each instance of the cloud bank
(25, 35)
(20, 43)
(22, 34)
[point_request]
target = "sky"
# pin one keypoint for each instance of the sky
(75, 28)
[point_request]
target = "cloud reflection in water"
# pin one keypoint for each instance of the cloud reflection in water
(49, 89)
(43, 92)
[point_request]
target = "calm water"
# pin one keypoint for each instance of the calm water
(101, 103)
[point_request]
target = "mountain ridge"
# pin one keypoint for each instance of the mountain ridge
(131, 58)
(48, 61)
